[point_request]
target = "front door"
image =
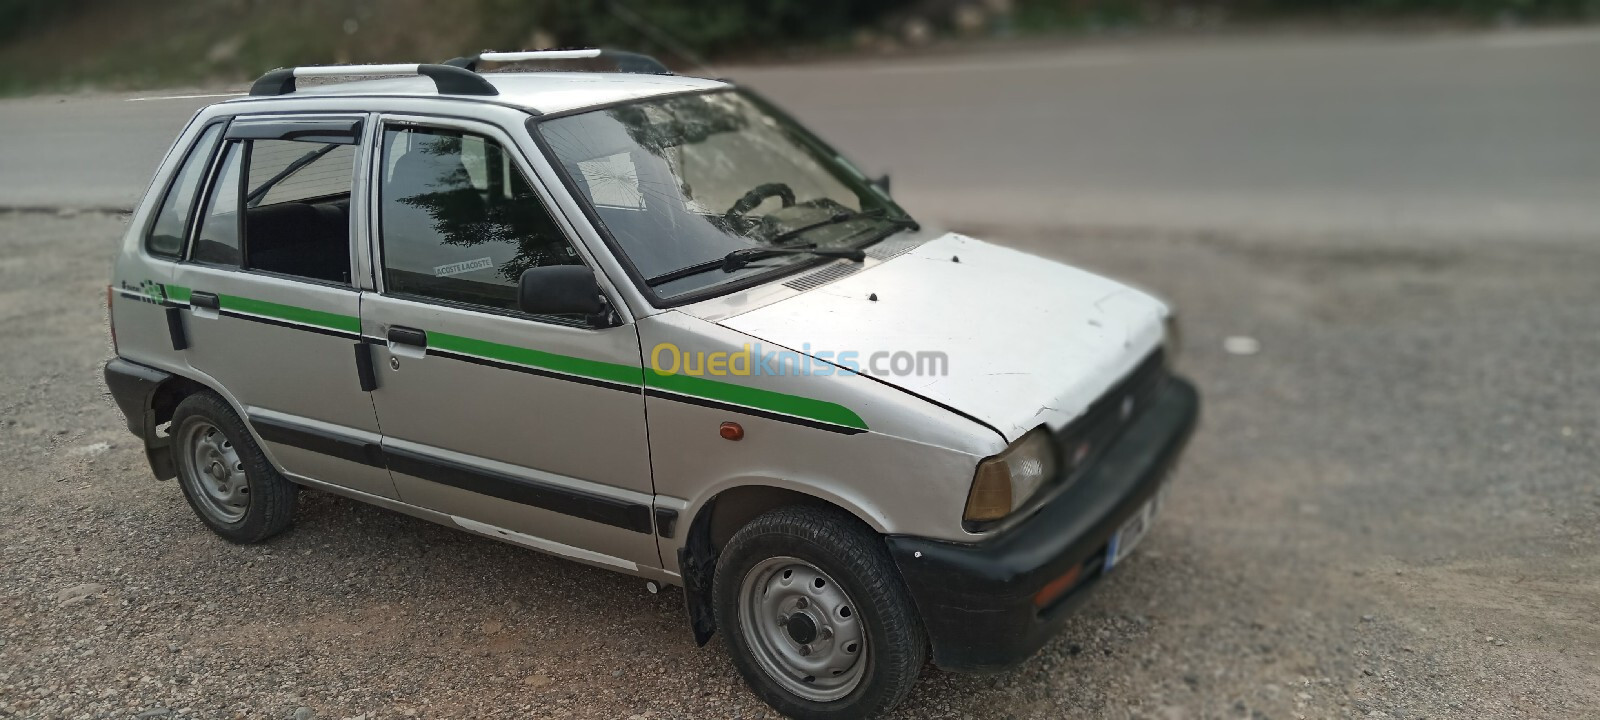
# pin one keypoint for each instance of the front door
(272, 316)
(528, 428)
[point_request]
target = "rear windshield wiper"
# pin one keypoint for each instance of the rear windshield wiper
(742, 257)
(837, 218)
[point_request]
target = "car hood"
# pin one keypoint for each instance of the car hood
(1026, 341)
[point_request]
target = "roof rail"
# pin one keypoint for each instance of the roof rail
(628, 62)
(450, 80)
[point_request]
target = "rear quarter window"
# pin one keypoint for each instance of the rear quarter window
(167, 232)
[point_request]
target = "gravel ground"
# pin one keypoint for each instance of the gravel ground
(1390, 511)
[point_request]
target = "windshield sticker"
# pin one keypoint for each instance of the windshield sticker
(465, 266)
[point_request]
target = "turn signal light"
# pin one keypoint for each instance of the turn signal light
(1004, 482)
(731, 431)
(990, 498)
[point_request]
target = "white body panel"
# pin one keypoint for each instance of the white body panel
(1017, 359)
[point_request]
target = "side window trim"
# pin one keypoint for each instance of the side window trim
(203, 201)
(363, 232)
(340, 130)
(246, 149)
(490, 310)
(192, 218)
(519, 163)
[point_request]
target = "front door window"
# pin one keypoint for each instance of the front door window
(460, 222)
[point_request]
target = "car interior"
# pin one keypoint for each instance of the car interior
(309, 239)
(297, 219)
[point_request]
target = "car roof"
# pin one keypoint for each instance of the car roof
(539, 92)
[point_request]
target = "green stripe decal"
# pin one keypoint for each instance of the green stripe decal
(565, 364)
(626, 374)
(304, 316)
(700, 387)
(319, 318)
(777, 402)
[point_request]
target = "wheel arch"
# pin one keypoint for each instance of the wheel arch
(148, 396)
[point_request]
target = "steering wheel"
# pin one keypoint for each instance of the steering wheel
(755, 197)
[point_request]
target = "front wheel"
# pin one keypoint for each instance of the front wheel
(815, 615)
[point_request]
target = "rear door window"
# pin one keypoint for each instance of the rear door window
(281, 205)
(171, 224)
(297, 208)
(291, 171)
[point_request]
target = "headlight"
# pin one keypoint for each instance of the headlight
(1006, 481)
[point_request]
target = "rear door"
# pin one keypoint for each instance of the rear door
(272, 315)
(528, 428)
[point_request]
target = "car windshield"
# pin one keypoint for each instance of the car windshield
(680, 182)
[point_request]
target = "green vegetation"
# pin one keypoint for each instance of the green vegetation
(66, 44)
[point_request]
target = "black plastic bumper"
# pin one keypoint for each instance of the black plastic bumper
(976, 601)
(133, 387)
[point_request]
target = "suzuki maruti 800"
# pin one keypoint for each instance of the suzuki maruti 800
(649, 323)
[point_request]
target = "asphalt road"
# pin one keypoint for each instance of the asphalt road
(1488, 135)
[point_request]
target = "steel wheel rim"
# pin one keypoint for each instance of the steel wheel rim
(803, 629)
(210, 467)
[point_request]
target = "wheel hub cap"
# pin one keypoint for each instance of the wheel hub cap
(210, 467)
(803, 629)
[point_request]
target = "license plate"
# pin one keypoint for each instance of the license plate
(1132, 531)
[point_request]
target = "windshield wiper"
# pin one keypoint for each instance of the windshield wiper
(740, 258)
(744, 256)
(837, 218)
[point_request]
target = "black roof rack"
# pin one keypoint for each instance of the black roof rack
(628, 62)
(449, 79)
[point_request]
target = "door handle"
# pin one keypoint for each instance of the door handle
(206, 300)
(408, 336)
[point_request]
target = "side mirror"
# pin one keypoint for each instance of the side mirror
(883, 183)
(561, 290)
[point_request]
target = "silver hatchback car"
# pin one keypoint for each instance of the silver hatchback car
(649, 323)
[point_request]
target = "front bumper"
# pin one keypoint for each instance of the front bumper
(976, 601)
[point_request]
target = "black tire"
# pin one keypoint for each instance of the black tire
(855, 557)
(271, 497)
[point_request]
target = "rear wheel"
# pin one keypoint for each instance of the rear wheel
(815, 615)
(225, 477)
